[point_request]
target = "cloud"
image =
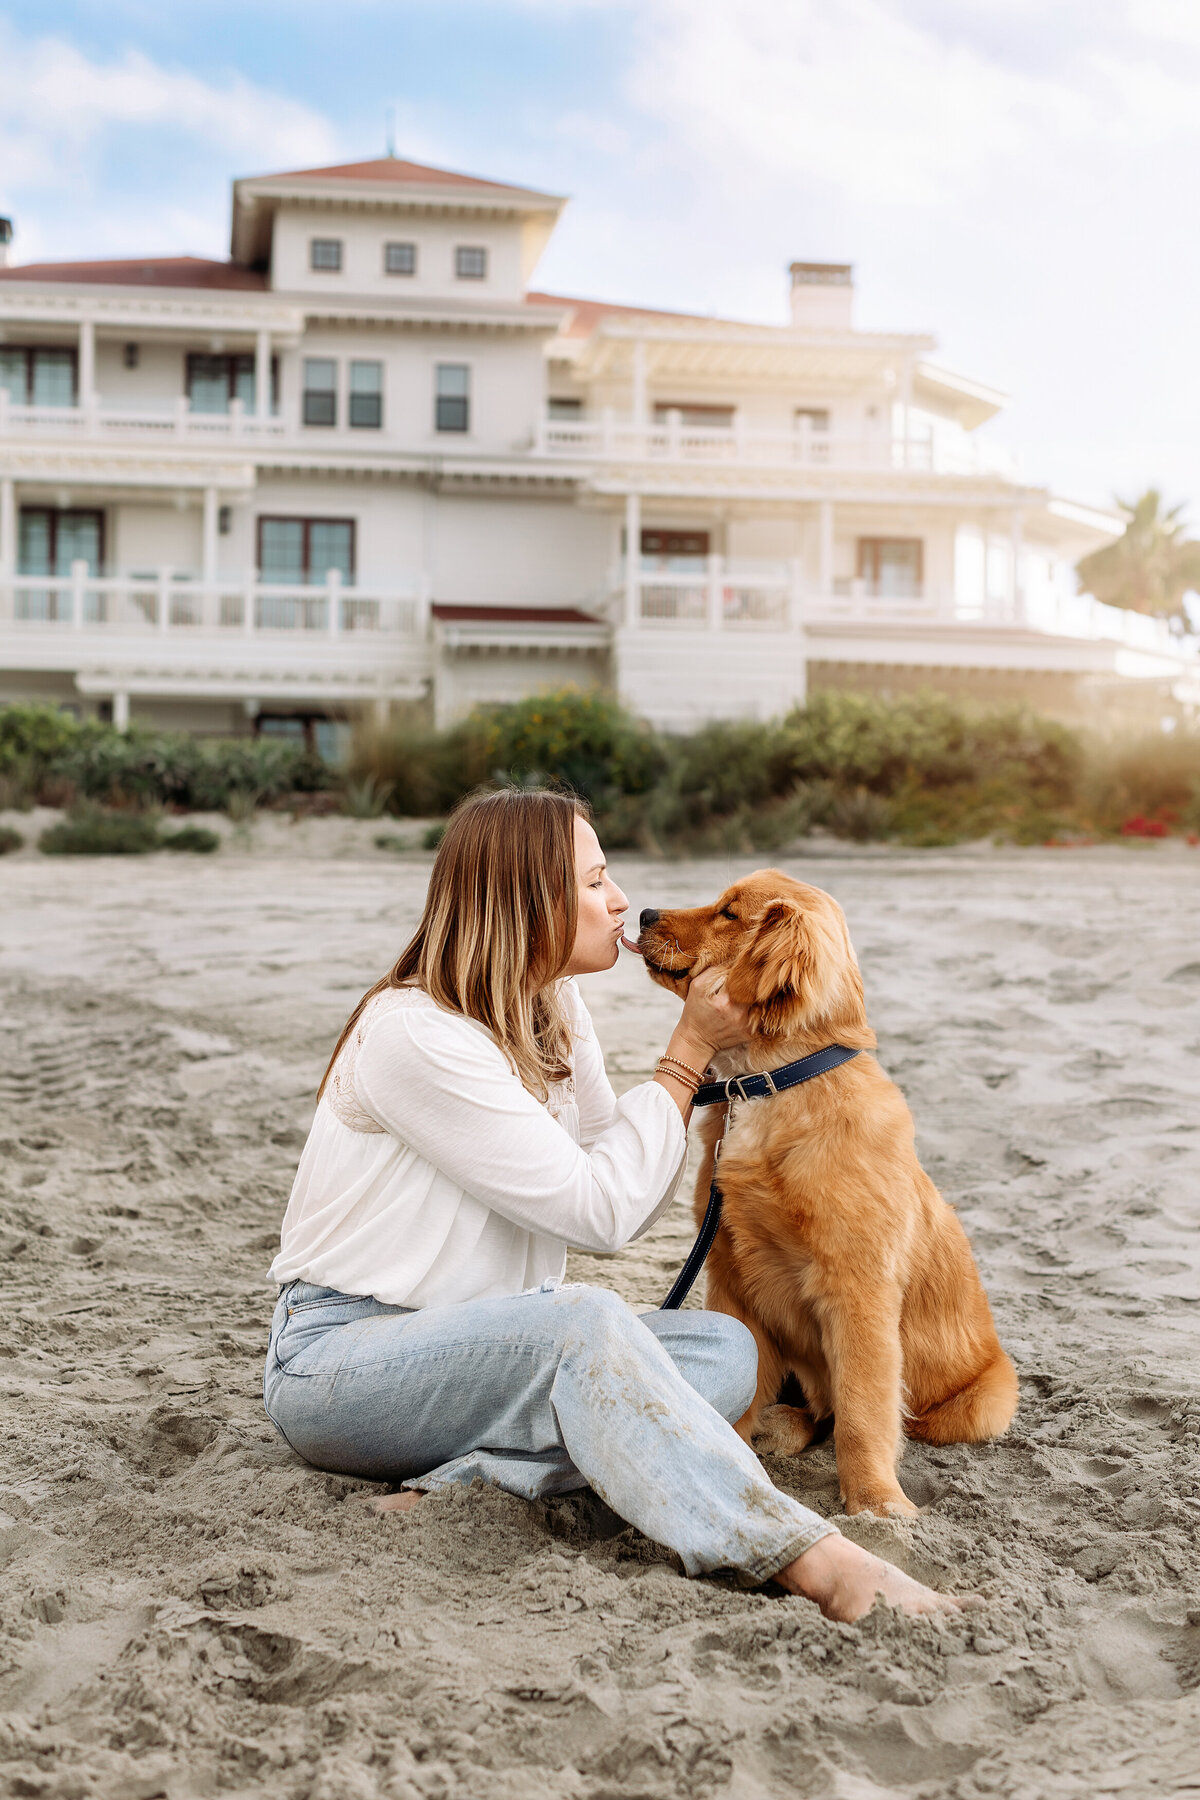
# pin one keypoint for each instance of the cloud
(84, 142)
(891, 103)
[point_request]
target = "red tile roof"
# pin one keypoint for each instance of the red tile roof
(587, 314)
(512, 615)
(385, 168)
(146, 271)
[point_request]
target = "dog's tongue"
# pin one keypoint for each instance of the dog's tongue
(626, 945)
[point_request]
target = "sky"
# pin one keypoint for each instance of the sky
(1017, 177)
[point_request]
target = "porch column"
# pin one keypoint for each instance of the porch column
(906, 386)
(87, 362)
(208, 538)
(8, 526)
(1016, 588)
(120, 706)
(825, 548)
(639, 384)
(715, 608)
(262, 375)
(633, 561)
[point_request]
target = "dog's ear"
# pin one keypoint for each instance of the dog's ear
(773, 970)
(797, 971)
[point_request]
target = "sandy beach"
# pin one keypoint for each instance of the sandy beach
(186, 1609)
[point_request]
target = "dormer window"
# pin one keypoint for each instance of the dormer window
(470, 263)
(325, 254)
(399, 259)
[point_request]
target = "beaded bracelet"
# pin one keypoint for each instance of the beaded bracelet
(685, 1081)
(697, 1074)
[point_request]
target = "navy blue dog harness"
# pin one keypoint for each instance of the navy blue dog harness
(744, 1087)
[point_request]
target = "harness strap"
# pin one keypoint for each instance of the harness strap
(748, 1087)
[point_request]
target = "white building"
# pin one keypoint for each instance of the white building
(362, 463)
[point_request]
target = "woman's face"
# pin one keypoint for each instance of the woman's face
(602, 907)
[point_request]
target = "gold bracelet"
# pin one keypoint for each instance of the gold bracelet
(684, 1081)
(679, 1064)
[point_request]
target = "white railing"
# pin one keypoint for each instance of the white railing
(722, 594)
(732, 595)
(108, 607)
(612, 439)
(93, 421)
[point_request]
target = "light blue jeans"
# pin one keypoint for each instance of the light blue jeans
(542, 1393)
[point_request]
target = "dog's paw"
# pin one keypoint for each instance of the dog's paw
(883, 1505)
(784, 1431)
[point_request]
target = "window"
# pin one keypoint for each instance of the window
(453, 408)
(300, 552)
(399, 259)
(320, 391)
(366, 394)
(49, 540)
(685, 552)
(325, 254)
(38, 377)
(470, 263)
(705, 418)
(815, 417)
(891, 567)
(213, 382)
(566, 409)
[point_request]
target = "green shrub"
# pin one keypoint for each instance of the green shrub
(861, 816)
(33, 736)
(195, 838)
(1156, 776)
(90, 831)
(425, 771)
(366, 797)
(172, 769)
(926, 738)
(10, 840)
(581, 739)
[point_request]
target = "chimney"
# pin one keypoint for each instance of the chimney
(6, 238)
(822, 296)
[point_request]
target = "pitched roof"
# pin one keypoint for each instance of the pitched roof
(145, 271)
(511, 615)
(587, 314)
(385, 168)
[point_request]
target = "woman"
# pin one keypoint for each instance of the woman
(465, 1135)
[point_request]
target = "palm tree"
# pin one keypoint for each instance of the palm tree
(1151, 567)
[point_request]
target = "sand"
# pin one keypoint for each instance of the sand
(186, 1609)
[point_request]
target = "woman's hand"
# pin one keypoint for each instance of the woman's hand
(710, 1017)
(710, 1020)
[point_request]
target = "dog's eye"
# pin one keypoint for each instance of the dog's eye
(727, 912)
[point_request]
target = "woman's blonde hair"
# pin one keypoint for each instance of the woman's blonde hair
(498, 928)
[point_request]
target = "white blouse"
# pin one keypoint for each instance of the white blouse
(431, 1175)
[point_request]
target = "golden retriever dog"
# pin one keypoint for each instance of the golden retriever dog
(835, 1248)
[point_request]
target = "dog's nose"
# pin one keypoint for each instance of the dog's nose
(649, 916)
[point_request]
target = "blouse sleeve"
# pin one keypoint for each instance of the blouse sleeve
(593, 1091)
(444, 1088)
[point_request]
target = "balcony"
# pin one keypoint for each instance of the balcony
(96, 423)
(145, 608)
(616, 440)
(748, 596)
(170, 636)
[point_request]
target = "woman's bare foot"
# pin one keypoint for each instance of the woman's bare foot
(404, 1501)
(846, 1580)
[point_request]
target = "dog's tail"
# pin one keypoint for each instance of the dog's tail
(982, 1409)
